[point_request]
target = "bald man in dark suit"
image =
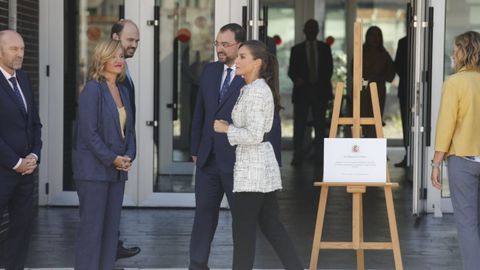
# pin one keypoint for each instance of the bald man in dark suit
(20, 145)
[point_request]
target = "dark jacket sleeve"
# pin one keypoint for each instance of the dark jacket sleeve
(293, 65)
(328, 61)
(88, 109)
(390, 68)
(36, 127)
(276, 137)
(401, 58)
(198, 118)
(8, 158)
(131, 149)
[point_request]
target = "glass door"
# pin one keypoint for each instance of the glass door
(451, 19)
(70, 31)
(176, 42)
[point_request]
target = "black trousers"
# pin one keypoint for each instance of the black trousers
(252, 208)
(16, 195)
(301, 109)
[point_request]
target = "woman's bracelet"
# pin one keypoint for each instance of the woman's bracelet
(436, 165)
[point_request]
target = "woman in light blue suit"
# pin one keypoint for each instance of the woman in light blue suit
(103, 151)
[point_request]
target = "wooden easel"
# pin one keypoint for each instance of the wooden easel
(357, 189)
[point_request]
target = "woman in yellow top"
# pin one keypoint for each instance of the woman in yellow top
(458, 140)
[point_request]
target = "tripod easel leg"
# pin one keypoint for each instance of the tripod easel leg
(360, 252)
(397, 255)
(318, 228)
(357, 223)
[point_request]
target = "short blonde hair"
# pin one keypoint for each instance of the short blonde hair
(103, 52)
(467, 53)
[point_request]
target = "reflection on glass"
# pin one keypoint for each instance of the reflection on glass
(460, 16)
(390, 17)
(86, 22)
(194, 28)
(186, 36)
(281, 27)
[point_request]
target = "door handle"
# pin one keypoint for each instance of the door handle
(152, 123)
(172, 106)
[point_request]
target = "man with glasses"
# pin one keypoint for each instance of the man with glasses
(214, 157)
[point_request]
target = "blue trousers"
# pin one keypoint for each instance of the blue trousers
(100, 208)
(210, 185)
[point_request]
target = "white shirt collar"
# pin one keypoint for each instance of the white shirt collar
(7, 75)
(233, 67)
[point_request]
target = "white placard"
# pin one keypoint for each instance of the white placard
(355, 160)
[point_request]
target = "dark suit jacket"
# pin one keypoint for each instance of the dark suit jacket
(401, 67)
(131, 93)
(98, 140)
(204, 139)
(298, 69)
(20, 133)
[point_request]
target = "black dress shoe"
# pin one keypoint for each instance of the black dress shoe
(123, 252)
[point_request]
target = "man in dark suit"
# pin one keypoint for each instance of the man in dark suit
(219, 89)
(401, 69)
(311, 68)
(20, 145)
(126, 31)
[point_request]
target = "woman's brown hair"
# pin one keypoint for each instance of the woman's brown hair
(269, 69)
(467, 51)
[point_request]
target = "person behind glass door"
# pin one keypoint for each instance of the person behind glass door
(20, 145)
(310, 69)
(457, 139)
(256, 176)
(103, 151)
(401, 68)
(126, 31)
(378, 67)
(213, 155)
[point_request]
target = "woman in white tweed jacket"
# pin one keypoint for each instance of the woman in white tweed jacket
(256, 176)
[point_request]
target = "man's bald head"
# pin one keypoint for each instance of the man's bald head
(126, 31)
(6, 35)
(12, 49)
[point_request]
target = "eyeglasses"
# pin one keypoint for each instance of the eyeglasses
(224, 44)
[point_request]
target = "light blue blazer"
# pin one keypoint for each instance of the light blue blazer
(98, 139)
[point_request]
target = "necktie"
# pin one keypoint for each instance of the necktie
(312, 63)
(226, 84)
(20, 102)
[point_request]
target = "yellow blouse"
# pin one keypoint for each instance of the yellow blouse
(458, 125)
(122, 114)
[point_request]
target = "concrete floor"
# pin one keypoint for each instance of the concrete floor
(164, 234)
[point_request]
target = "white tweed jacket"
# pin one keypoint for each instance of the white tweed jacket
(256, 168)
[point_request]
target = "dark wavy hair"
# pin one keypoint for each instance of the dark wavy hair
(269, 68)
(371, 31)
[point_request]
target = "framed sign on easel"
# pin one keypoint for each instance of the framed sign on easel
(357, 188)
